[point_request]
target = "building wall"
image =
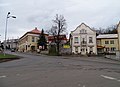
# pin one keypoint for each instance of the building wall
(12, 43)
(101, 42)
(118, 29)
(78, 47)
(27, 42)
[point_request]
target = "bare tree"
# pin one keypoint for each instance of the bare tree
(58, 28)
(109, 30)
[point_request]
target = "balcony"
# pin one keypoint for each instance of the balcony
(84, 43)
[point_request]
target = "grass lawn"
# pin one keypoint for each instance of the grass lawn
(7, 56)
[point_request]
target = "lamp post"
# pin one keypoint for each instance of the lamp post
(0, 42)
(8, 16)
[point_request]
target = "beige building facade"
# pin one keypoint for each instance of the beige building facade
(107, 43)
(28, 42)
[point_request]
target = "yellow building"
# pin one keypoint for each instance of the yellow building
(107, 43)
(28, 42)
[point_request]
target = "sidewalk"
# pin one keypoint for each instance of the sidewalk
(93, 59)
(100, 59)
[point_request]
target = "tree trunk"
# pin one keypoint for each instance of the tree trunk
(58, 49)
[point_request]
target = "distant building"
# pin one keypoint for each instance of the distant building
(52, 42)
(62, 38)
(11, 44)
(28, 42)
(107, 43)
(83, 40)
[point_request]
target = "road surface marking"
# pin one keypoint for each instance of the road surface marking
(3, 76)
(83, 85)
(107, 77)
(17, 74)
(111, 78)
(79, 84)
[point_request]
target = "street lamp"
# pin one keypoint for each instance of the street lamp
(0, 42)
(8, 16)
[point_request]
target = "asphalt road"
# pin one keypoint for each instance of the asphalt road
(49, 71)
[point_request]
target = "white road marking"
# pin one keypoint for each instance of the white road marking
(17, 74)
(79, 84)
(111, 78)
(118, 80)
(83, 85)
(3, 76)
(107, 77)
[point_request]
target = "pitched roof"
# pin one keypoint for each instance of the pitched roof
(61, 37)
(103, 36)
(84, 25)
(36, 31)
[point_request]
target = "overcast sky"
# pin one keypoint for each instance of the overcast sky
(39, 13)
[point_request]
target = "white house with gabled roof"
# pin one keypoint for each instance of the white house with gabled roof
(83, 40)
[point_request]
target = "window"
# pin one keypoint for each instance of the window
(90, 40)
(98, 42)
(113, 48)
(112, 42)
(33, 39)
(107, 49)
(83, 31)
(106, 42)
(83, 41)
(76, 40)
(83, 49)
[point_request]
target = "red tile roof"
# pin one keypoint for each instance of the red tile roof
(35, 31)
(61, 37)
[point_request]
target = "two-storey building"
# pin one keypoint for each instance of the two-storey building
(83, 40)
(107, 43)
(28, 42)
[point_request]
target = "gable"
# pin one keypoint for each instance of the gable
(83, 28)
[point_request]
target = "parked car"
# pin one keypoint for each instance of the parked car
(12, 50)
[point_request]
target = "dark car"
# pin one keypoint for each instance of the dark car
(12, 50)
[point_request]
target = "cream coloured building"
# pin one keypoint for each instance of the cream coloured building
(83, 40)
(107, 43)
(28, 42)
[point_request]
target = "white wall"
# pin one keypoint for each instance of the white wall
(90, 33)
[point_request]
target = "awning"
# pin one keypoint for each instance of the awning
(100, 46)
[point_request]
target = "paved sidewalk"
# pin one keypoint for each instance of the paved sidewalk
(94, 59)
(100, 59)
